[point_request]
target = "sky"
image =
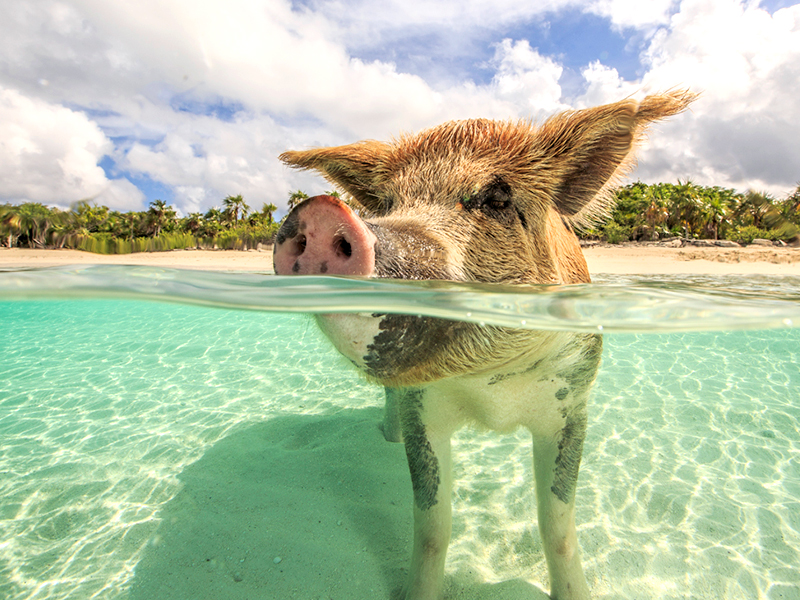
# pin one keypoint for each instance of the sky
(121, 102)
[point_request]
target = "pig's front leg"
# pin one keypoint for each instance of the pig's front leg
(556, 462)
(392, 430)
(428, 452)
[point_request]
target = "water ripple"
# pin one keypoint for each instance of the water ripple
(665, 304)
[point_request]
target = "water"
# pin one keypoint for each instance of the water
(185, 448)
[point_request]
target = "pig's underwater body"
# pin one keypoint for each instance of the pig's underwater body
(477, 201)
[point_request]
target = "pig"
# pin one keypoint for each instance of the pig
(472, 201)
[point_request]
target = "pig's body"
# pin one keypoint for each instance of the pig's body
(472, 201)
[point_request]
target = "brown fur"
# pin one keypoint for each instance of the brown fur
(494, 202)
(561, 175)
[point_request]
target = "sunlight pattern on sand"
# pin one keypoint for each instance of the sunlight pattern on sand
(102, 404)
(690, 483)
(154, 450)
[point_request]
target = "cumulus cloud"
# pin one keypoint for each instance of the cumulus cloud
(50, 154)
(746, 63)
(201, 97)
(265, 55)
(634, 13)
(204, 159)
(526, 79)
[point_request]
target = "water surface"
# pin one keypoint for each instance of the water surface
(185, 448)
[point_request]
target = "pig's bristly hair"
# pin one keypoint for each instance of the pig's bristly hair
(622, 136)
(576, 158)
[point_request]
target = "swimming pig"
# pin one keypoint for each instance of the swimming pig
(476, 201)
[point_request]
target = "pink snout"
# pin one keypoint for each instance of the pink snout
(323, 236)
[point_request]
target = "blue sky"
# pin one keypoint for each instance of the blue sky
(128, 101)
(576, 38)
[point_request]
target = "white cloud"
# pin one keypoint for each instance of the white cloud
(50, 154)
(634, 13)
(368, 21)
(127, 70)
(604, 85)
(204, 159)
(263, 54)
(746, 62)
(118, 194)
(527, 79)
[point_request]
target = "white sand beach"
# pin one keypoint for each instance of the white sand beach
(623, 259)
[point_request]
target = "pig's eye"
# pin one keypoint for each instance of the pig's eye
(494, 197)
(386, 205)
(495, 201)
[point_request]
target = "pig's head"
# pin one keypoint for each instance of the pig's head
(475, 200)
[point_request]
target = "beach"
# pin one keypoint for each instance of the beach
(621, 259)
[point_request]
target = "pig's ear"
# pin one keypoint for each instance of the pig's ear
(355, 168)
(586, 152)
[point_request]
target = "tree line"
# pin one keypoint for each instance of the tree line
(94, 228)
(663, 210)
(643, 212)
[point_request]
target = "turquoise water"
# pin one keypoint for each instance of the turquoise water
(185, 448)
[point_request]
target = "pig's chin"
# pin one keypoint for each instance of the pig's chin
(351, 334)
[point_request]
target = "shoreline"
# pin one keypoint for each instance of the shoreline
(621, 259)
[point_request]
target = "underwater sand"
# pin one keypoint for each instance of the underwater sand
(154, 450)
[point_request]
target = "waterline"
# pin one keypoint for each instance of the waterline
(612, 305)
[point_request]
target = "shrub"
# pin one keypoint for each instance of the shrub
(99, 243)
(614, 233)
(748, 233)
(588, 233)
(105, 243)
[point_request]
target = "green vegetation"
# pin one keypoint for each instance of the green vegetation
(651, 212)
(99, 229)
(642, 213)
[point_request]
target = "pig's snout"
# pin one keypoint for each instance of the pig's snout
(324, 236)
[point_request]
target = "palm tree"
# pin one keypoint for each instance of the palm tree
(296, 198)
(35, 220)
(212, 222)
(90, 217)
(233, 204)
(754, 207)
(129, 226)
(715, 213)
(687, 207)
(656, 215)
(160, 217)
(267, 210)
(193, 223)
(61, 226)
(10, 224)
(791, 206)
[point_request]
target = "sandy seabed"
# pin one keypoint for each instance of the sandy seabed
(624, 259)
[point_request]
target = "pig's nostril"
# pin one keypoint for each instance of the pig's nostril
(342, 246)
